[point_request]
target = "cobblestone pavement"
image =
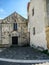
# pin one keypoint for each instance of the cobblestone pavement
(25, 53)
(8, 63)
(1, 49)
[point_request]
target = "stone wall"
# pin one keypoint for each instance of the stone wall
(47, 36)
(47, 13)
(37, 21)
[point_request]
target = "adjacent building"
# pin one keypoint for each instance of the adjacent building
(38, 23)
(14, 31)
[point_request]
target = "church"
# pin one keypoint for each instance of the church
(14, 31)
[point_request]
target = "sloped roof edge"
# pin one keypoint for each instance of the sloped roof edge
(13, 14)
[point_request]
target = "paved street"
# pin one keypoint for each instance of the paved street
(8, 63)
(23, 53)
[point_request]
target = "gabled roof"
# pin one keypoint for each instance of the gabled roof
(15, 14)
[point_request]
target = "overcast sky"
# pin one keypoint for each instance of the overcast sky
(9, 6)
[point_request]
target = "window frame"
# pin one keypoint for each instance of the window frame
(33, 12)
(15, 26)
(34, 31)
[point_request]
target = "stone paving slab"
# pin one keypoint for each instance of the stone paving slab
(8, 63)
(24, 53)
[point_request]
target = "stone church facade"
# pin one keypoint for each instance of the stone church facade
(13, 30)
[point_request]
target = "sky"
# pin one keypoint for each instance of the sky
(7, 7)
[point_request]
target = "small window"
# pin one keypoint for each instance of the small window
(15, 26)
(33, 12)
(33, 30)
